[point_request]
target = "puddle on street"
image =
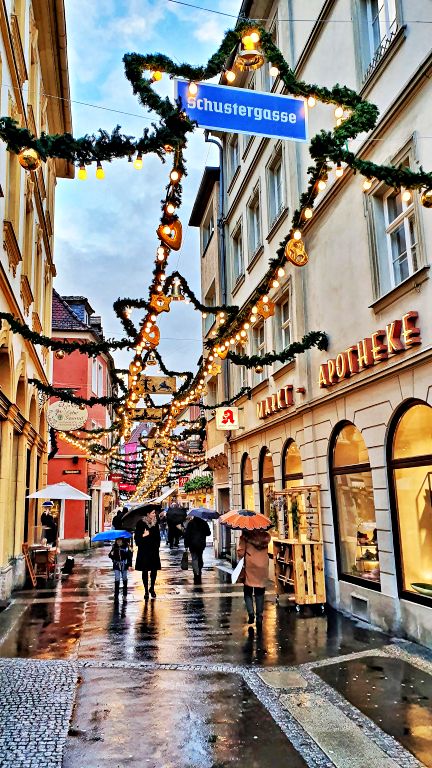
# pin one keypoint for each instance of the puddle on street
(394, 694)
(173, 719)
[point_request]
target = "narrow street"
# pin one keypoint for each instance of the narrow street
(179, 681)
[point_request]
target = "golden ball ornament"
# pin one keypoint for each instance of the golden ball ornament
(59, 354)
(259, 368)
(426, 198)
(29, 159)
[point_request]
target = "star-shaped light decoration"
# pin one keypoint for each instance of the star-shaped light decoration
(214, 370)
(160, 303)
(265, 308)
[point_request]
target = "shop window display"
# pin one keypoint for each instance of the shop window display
(355, 510)
(292, 466)
(248, 500)
(411, 465)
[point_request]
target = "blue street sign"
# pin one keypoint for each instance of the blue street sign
(240, 110)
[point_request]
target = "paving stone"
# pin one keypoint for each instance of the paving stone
(279, 678)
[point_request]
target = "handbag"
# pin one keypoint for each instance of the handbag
(238, 574)
(184, 565)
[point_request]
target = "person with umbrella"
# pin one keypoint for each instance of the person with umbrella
(253, 546)
(195, 536)
(147, 539)
(121, 556)
(175, 516)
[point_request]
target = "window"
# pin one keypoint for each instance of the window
(410, 468)
(237, 253)
(283, 323)
(100, 379)
(97, 377)
(207, 232)
(354, 509)
(247, 489)
(381, 24)
(241, 376)
(254, 224)
(266, 482)
(266, 80)
(258, 336)
(233, 157)
(209, 301)
(275, 188)
(292, 468)
(395, 236)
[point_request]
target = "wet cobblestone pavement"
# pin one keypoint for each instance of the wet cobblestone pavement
(180, 681)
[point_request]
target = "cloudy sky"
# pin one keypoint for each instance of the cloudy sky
(105, 230)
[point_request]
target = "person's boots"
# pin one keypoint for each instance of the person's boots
(125, 586)
(259, 602)
(152, 590)
(116, 591)
(250, 608)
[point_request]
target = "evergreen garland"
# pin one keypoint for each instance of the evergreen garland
(313, 339)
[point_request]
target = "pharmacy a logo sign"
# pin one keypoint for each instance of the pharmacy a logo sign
(239, 110)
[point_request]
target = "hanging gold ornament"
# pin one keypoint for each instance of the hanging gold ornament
(295, 253)
(265, 308)
(151, 360)
(426, 198)
(159, 302)
(59, 354)
(171, 234)
(250, 56)
(259, 368)
(222, 352)
(29, 159)
(214, 370)
(176, 293)
(152, 337)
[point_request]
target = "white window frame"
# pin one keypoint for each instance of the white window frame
(242, 372)
(254, 223)
(237, 252)
(259, 348)
(408, 212)
(275, 192)
(233, 156)
(387, 23)
(94, 378)
(287, 325)
(208, 230)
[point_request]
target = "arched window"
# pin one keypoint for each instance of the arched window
(292, 468)
(266, 480)
(353, 507)
(247, 489)
(410, 468)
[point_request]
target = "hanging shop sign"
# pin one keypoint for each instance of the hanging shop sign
(181, 481)
(280, 400)
(241, 110)
(66, 416)
(227, 418)
(397, 337)
(115, 477)
(129, 487)
(149, 414)
(157, 385)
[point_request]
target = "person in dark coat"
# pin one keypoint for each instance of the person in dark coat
(147, 539)
(117, 520)
(195, 536)
(121, 556)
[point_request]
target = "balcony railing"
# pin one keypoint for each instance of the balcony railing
(382, 49)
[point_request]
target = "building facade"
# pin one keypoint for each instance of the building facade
(35, 92)
(74, 319)
(356, 419)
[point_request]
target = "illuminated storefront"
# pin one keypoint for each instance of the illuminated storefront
(248, 501)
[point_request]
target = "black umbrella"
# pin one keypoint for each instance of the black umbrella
(176, 515)
(131, 517)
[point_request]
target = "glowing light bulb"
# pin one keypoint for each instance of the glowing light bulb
(252, 318)
(339, 112)
(156, 75)
(406, 196)
(82, 173)
(243, 334)
(170, 208)
(193, 89)
(274, 71)
(161, 253)
(100, 173)
(311, 101)
(339, 171)
(138, 162)
(174, 175)
(297, 234)
(265, 299)
(230, 76)
(254, 310)
(254, 36)
(166, 229)
(281, 272)
(367, 184)
(308, 213)
(275, 284)
(322, 185)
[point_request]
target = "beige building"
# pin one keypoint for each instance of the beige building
(356, 419)
(35, 92)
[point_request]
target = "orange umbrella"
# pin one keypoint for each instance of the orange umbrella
(245, 520)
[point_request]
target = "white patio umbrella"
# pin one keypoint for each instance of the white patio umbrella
(63, 492)
(60, 491)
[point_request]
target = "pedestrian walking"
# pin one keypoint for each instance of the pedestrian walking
(163, 525)
(147, 539)
(121, 556)
(253, 546)
(195, 536)
(117, 520)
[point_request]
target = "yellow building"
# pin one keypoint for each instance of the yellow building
(35, 92)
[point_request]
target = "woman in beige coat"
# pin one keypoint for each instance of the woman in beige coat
(253, 546)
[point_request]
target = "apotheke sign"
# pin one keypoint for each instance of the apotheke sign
(241, 110)
(398, 336)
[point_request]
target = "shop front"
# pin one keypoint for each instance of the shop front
(366, 442)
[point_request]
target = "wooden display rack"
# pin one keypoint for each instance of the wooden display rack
(298, 556)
